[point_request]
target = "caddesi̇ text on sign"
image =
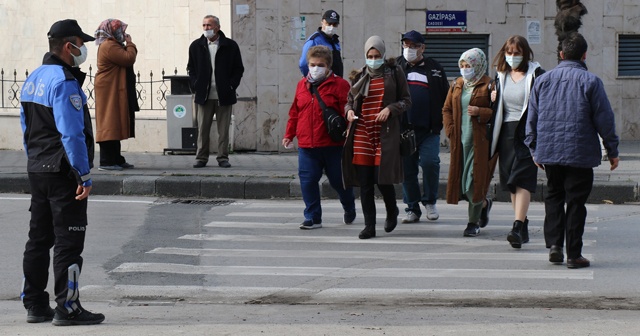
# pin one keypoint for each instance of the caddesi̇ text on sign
(446, 21)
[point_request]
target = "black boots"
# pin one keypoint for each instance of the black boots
(519, 234)
(389, 224)
(392, 219)
(515, 236)
(368, 232)
(525, 231)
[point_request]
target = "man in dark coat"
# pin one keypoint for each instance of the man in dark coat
(215, 69)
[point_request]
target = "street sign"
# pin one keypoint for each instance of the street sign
(446, 21)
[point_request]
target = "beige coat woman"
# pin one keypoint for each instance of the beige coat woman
(483, 166)
(112, 108)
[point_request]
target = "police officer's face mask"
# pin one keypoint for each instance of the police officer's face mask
(77, 60)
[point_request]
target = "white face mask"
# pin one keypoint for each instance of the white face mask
(317, 73)
(209, 33)
(410, 54)
(77, 60)
(513, 61)
(467, 73)
(329, 30)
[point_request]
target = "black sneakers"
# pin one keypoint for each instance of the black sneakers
(38, 314)
(78, 317)
(349, 216)
(472, 230)
(484, 215)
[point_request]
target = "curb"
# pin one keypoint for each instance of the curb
(278, 188)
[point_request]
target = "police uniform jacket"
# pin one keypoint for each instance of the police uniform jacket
(55, 119)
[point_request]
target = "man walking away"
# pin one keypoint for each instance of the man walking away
(568, 109)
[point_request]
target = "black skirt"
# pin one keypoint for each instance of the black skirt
(514, 172)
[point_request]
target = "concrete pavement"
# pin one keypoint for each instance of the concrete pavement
(272, 176)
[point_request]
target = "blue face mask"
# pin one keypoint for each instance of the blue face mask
(375, 63)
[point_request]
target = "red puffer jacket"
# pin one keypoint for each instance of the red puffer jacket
(305, 116)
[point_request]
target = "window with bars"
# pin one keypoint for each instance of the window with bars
(628, 55)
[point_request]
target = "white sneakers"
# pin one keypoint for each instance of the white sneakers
(410, 217)
(432, 212)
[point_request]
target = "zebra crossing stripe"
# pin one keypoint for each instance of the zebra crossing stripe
(319, 295)
(421, 226)
(340, 272)
(323, 254)
(391, 239)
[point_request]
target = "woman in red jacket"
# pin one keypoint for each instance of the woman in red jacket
(316, 150)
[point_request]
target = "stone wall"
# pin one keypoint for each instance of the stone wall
(269, 34)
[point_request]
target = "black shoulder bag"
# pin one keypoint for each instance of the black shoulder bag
(335, 122)
(408, 143)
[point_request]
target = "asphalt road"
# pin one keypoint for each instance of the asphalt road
(244, 267)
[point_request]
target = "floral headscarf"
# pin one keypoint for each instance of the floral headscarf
(110, 28)
(478, 61)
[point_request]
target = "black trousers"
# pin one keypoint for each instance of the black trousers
(58, 220)
(368, 177)
(572, 186)
(110, 153)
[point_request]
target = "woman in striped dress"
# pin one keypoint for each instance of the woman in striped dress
(378, 97)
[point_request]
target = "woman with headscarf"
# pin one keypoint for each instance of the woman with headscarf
(116, 98)
(378, 98)
(465, 115)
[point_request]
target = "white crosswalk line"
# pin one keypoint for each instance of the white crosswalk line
(424, 225)
(391, 239)
(313, 295)
(245, 253)
(352, 272)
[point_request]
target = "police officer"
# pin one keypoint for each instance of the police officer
(58, 140)
(326, 36)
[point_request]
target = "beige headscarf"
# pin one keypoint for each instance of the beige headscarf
(362, 86)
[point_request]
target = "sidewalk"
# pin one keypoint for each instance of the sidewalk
(271, 175)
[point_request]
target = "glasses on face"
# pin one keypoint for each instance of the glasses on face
(411, 45)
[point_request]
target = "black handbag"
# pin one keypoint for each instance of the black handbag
(335, 122)
(408, 142)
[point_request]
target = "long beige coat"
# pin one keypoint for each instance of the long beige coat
(112, 108)
(483, 166)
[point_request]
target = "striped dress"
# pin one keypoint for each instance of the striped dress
(366, 141)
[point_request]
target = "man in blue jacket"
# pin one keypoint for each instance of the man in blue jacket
(326, 36)
(215, 68)
(58, 141)
(568, 109)
(428, 86)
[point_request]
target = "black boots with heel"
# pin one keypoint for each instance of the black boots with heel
(515, 236)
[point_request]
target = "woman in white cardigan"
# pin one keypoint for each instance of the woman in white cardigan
(518, 173)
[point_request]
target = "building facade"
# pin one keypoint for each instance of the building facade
(271, 34)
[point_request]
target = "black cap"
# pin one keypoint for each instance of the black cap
(67, 28)
(413, 36)
(331, 16)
